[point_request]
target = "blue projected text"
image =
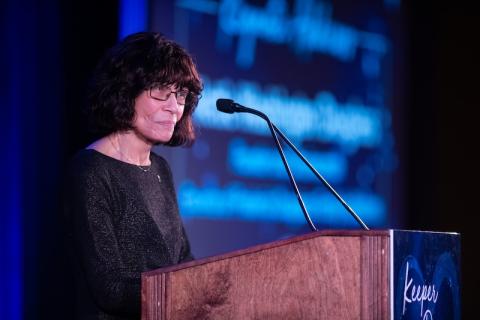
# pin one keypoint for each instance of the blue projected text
(350, 124)
(263, 161)
(309, 29)
(236, 201)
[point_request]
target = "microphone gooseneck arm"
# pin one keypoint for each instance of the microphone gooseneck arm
(229, 106)
(322, 179)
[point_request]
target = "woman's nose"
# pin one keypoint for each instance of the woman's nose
(171, 104)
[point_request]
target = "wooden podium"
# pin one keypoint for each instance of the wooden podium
(321, 275)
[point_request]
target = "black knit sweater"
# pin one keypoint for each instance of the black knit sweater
(122, 221)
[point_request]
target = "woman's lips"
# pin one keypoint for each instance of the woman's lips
(166, 122)
(166, 125)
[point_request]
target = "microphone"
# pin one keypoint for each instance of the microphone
(226, 105)
(230, 106)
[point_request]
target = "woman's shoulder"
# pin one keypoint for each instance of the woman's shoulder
(87, 157)
(159, 160)
(88, 162)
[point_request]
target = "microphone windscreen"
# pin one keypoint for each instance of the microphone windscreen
(226, 105)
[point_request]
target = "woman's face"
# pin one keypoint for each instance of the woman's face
(157, 111)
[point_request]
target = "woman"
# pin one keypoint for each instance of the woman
(121, 202)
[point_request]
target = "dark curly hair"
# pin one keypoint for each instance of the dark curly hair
(140, 62)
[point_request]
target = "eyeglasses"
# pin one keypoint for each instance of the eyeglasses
(163, 94)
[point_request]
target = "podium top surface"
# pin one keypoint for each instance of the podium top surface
(284, 242)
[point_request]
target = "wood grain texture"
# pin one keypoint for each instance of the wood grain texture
(322, 275)
(375, 277)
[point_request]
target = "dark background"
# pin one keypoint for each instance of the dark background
(48, 50)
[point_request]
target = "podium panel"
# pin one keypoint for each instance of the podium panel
(328, 274)
(426, 275)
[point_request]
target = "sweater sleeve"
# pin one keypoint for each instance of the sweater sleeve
(114, 289)
(186, 254)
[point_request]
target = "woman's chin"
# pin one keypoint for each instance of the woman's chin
(156, 138)
(160, 140)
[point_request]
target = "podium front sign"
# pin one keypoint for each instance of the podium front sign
(426, 275)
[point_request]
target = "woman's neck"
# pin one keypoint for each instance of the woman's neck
(131, 147)
(125, 146)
